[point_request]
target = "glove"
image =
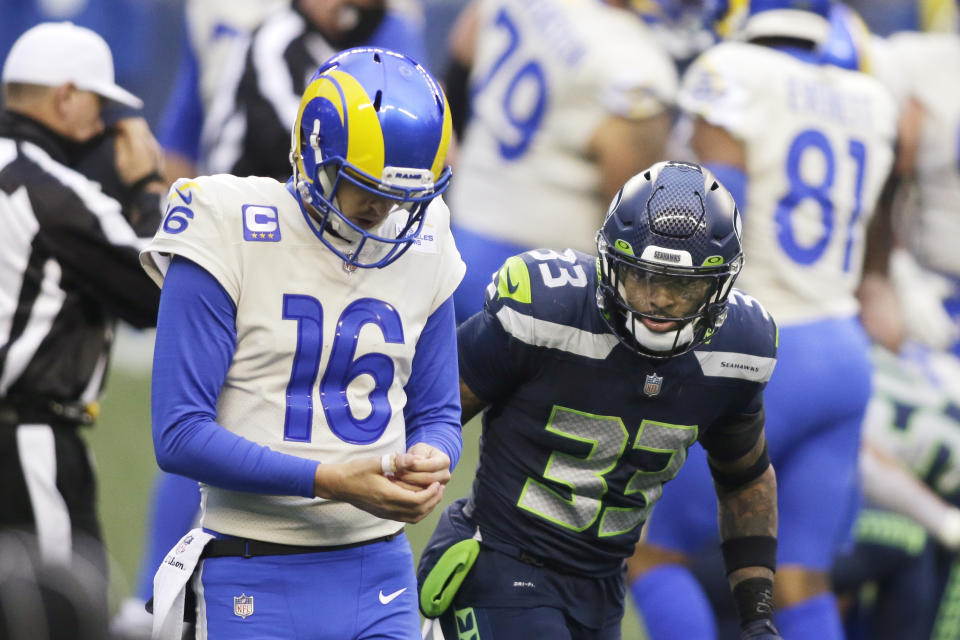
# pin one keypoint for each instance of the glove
(759, 630)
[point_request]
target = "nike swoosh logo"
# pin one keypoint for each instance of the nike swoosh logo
(390, 598)
(511, 288)
(186, 198)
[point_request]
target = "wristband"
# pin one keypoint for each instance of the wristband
(731, 481)
(139, 184)
(754, 599)
(749, 551)
(387, 466)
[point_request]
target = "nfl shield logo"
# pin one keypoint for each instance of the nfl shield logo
(651, 386)
(243, 605)
(183, 545)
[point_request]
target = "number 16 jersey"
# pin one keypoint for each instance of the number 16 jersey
(323, 354)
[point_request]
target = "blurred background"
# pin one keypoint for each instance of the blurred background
(147, 37)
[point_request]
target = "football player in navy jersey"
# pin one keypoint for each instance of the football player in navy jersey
(595, 374)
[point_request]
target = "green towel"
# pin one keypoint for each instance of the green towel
(441, 584)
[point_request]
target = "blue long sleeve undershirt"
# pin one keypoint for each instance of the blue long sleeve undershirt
(196, 341)
(432, 412)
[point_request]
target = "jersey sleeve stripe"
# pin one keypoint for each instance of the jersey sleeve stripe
(543, 333)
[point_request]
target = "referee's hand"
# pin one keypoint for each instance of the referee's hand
(138, 153)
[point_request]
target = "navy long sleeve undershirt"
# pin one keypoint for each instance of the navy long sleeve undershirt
(196, 340)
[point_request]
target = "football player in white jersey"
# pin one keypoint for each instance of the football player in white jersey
(805, 146)
(305, 370)
(219, 34)
(567, 101)
(921, 70)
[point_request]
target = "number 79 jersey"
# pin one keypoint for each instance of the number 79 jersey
(581, 433)
(547, 73)
(322, 354)
(819, 145)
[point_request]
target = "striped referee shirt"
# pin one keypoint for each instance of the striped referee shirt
(69, 268)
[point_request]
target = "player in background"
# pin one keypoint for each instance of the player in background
(245, 127)
(912, 416)
(305, 350)
(566, 101)
(215, 39)
(805, 147)
(907, 531)
(596, 373)
(907, 537)
(917, 67)
(680, 26)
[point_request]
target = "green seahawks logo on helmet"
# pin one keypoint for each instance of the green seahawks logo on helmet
(623, 246)
(713, 261)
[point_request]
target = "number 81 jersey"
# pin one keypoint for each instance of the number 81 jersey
(819, 145)
(322, 354)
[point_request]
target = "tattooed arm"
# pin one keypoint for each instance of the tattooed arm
(749, 509)
(747, 496)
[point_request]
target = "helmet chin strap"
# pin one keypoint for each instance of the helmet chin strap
(659, 342)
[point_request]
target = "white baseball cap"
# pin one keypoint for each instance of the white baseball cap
(54, 53)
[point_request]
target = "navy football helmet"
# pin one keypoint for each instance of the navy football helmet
(378, 120)
(669, 253)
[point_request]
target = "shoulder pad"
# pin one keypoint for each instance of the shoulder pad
(544, 283)
(548, 299)
(191, 192)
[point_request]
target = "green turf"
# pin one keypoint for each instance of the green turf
(124, 456)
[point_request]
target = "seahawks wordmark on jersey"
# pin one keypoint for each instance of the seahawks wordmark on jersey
(303, 323)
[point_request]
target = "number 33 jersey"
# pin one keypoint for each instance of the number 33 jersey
(819, 145)
(581, 433)
(322, 354)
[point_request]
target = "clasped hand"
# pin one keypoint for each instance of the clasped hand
(415, 490)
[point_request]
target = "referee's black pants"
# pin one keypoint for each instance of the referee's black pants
(48, 488)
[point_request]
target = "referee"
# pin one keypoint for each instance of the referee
(68, 270)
